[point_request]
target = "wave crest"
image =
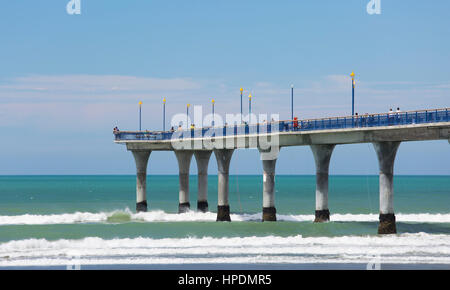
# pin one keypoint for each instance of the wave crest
(122, 216)
(404, 248)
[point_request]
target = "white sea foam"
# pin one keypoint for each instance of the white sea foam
(404, 248)
(120, 216)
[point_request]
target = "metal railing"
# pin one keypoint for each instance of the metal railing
(361, 121)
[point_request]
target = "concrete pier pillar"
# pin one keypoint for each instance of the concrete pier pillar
(223, 157)
(184, 162)
(141, 160)
(386, 152)
(269, 210)
(202, 159)
(322, 156)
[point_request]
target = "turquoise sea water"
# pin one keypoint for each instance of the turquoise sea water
(46, 220)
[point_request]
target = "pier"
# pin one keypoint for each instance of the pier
(385, 131)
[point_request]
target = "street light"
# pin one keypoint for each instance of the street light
(292, 102)
(241, 103)
(353, 93)
(164, 114)
(140, 113)
(249, 107)
(212, 102)
(187, 116)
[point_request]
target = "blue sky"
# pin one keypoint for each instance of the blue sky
(66, 80)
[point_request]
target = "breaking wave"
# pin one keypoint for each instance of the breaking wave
(122, 216)
(419, 248)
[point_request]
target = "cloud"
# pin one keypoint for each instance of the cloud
(37, 88)
(94, 101)
(99, 83)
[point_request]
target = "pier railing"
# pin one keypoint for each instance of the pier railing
(357, 121)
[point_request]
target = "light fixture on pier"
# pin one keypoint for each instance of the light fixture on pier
(140, 114)
(187, 116)
(164, 114)
(353, 93)
(292, 102)
(241, 103)
(213, 102)
(249, 107)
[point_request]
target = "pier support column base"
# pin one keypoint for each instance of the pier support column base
(184, 207)
(202, 206)
(141, 206)
(387, 224)
(223, 213)
(322, 216)
(269, 214)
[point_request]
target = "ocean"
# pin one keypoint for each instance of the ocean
(89, 222)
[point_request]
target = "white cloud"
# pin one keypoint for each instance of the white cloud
(68, 87)
(100, 82)
(90, 101)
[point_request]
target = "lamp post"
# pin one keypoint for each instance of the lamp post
(241, 103)
(353, 93)
(213, 102)
(140, 113)
(249, 107)
(164, 114)
(292, 102)
(187, 116)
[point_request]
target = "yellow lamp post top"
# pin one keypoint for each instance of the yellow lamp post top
(250, 96)
(213, 101)
(140, 103)
(164, 100)
(352, 75)
(241, 90)
(188, 105)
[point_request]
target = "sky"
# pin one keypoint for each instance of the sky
(67, 80)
